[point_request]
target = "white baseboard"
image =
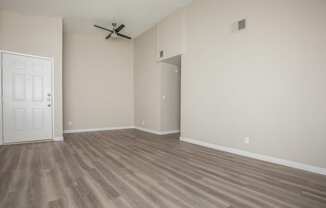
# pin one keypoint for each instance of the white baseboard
(58, 139)
(121, 128)
(275, 160)
(97, 129)
(170, 132)
(157, 132)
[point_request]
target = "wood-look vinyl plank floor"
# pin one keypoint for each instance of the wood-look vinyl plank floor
(133, 169)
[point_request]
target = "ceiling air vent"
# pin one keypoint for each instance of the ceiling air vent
(242, 24)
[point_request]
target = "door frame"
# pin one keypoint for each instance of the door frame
(51, 59)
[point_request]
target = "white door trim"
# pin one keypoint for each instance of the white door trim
(51, 59)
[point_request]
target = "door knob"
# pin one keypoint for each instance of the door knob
(49, 99)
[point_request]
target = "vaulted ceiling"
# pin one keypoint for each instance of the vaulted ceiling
(80, 15)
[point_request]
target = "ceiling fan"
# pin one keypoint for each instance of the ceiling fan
(115, 31)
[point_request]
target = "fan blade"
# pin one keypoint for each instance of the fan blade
(103, 28)
(109, 36)
(120, 28)
(124, 36)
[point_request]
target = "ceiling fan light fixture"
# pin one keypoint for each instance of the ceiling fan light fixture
(114, 36)
(114, 32)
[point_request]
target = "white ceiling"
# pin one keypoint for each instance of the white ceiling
(80, 15)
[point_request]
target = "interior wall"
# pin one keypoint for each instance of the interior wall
(157, 90)
(170, 101)
(147, 79)
(41, 36)
(98, 82)
(171, 35)
(267, 82)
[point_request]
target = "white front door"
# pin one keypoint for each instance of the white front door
(27, 98)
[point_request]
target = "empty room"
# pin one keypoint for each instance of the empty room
(163, 104)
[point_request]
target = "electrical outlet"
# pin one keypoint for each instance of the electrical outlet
(143, 123)
(246, 140)
(69, 123)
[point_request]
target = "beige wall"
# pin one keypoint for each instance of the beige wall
(267, 82)
(171, 35)
(153, 81)
(147, 82)
(98, 82)
(40, 36)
